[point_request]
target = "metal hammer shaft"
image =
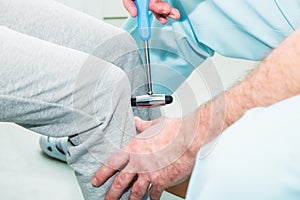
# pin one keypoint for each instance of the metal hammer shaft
(148, 67)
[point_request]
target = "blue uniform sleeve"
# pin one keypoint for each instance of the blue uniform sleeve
(174, 52)
(245, 29)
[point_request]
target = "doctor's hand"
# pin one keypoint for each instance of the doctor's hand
(158, 158)
(161, 10)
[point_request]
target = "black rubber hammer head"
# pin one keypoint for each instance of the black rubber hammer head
(151, 100)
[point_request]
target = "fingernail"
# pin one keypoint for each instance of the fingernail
(95, 182)
(163, 21)
(175, 14)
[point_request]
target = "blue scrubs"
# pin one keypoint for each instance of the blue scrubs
(246, 29)
(259, 156)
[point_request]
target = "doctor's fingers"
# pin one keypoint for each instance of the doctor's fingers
(142, 125)
(116, 162)
(130, 7)
(162, 8)
(139, 188)
(145, 181)
(156, 192)
(162, 11)
(121, 182)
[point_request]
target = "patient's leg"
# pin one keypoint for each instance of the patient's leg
(58, 91)
(56, 23)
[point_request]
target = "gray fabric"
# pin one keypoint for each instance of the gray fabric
(59, 76)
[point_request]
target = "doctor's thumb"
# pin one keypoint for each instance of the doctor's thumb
(141, 125)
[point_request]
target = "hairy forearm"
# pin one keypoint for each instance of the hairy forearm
(275, 79)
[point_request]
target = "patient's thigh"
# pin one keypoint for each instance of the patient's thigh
(50, 89)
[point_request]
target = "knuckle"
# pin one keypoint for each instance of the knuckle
(118, 182)
(135, 192)
(155, 178)
(165, 8)
(152, 5)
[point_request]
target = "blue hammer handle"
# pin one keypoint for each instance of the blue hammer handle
(143, 19)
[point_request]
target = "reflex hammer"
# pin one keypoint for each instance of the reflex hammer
(150, 99)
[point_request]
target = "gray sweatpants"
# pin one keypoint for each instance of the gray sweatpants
(60, 76)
